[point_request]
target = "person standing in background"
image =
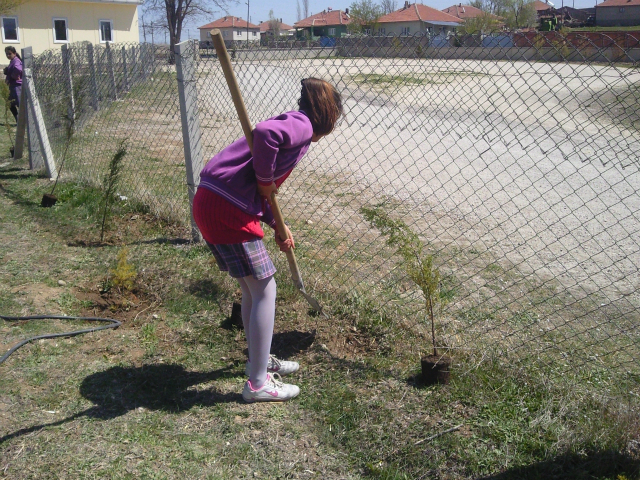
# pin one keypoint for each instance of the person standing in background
(14, 79)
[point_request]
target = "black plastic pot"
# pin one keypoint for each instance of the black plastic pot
(236, 316)
(436, 369)
(48, 200)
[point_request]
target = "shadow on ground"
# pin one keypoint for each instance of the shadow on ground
(119, 390)
(571, 466)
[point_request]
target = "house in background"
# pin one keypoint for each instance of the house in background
(618, 13)
(328, 23)
(417, 18)
(467, 12)
(45, 24)
(543, 8)
(463, 11)
(233, 29)
(285, 31)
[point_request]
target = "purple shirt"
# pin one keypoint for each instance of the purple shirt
(14, 72)
(278, 145)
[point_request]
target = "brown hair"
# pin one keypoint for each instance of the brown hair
(322, 103)
(12, 49)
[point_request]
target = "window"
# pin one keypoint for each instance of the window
(106, 26)
(406, 30)
(254, 34)
(332, 31)
(382, 31)
(224, 33)
(621, 10)
(239, 32)
(10, 30)
(60, 33)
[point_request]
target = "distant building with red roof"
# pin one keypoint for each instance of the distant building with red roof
(542, 7)
(233, 29)
(328, 23)
(417, 18)
(463, 11)
(265, 27)
(618, 13)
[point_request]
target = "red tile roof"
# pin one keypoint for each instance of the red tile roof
(618, 3)
(541, 6)
(464, 11)
(416, 12)
(325, 18)
(264, 27)
(228, 22)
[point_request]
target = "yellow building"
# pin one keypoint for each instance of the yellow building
(45, 24)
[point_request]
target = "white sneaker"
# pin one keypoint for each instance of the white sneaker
(273, 390)
(281, 367)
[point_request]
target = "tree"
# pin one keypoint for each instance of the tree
(521, 13)
(173, 14)
(299, 12)
(8, 6)
(305, 8)
(274, 25)
(483, 23)
(517, 13)
(364, 15)
(388, 6)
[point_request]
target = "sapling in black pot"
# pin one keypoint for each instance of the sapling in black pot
(421, 269)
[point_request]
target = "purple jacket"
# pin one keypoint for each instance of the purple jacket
(278, 145)
(14, 72)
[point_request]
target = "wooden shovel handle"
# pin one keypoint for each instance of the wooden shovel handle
(225, 63)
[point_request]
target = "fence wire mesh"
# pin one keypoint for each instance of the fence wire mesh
(114, 93)
(514, 158)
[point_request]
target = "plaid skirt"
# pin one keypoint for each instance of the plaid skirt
(244, 259)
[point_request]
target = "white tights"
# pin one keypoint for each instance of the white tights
(258, 315)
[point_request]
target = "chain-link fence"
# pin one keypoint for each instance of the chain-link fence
(514, 157)
(109, 94)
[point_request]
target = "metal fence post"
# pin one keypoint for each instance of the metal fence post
(134, 65)
(66, 67)
(40, 128)
(92, 74)
(125, 79)
(111, 74)
(191, 135)
(36, 161)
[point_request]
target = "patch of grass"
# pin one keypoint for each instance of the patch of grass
(431, 78)
(160, 396)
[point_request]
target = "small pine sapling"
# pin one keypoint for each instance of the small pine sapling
(111, 180)
(124, 275)
(418, 264)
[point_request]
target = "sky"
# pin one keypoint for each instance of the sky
(287, 10)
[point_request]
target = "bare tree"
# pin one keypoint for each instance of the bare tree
(299, 11)
(274, 25)
(388, 6)
(305, 8)
(175, 12)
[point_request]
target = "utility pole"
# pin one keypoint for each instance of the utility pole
(248, 18)
(144, 30)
